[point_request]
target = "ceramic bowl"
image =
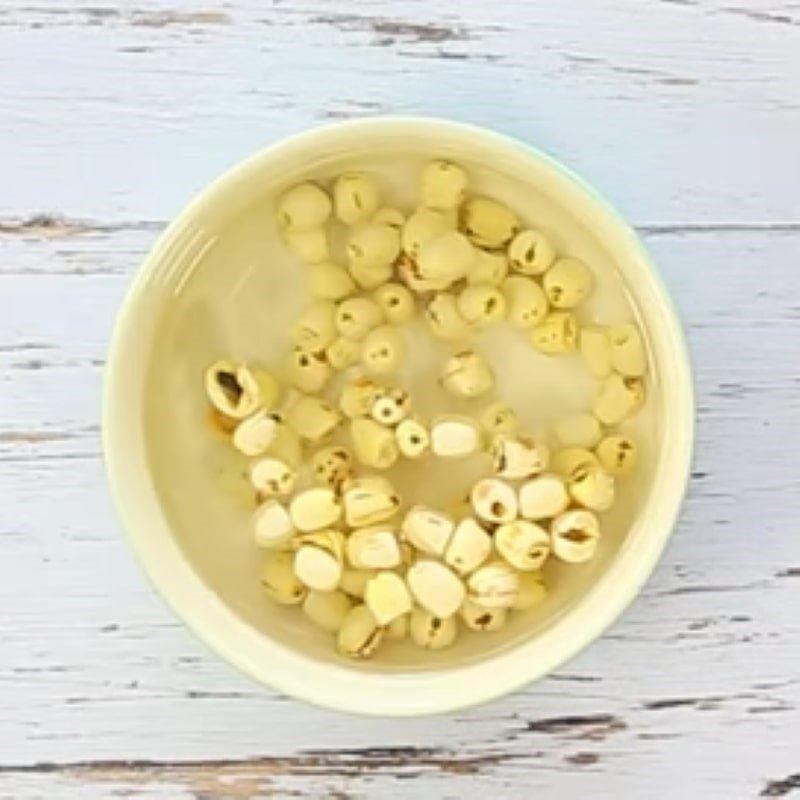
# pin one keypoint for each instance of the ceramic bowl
(219, 283)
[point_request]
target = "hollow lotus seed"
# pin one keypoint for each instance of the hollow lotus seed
(523, 544)
(272, 477)
(387, 597)
(494, 501)
(389, 216)
(397, 629)
(431, 632)
(254, 435)
(318, 560)
(354, 581)
(480, 618)
(517, 456)
(543, 497)
(369, 278)
(444, 319)
(455, 437)
(390, 406)
(408, 272)
(315, 328)
(532, 591)
(567, 461)
(357, 316)
(467, 374)
(286, 446)
(481, 305)
(315, 509)
(488, 267)
(303, 207)
(436, 588)
(374, 444)
(372, 548)
(358, 397)
(443, 185)
(567, 283)
(312, 418)
(494, 585)
(329, 282)
(360, 635)
(447, 257)
(342, 353)
(307, 371)
(412, 438)
(327, 610)
(526, 302)
(368, 501)
(272, 525)
(499, 418)
(383, 349)
(556, 334)
(575, 535)
(237, 391)
(469, 546)
(617, 455)
(619, 398)
(373, 246)
(396, 302)
(531, 253)
(332, 466)
(355, 197)
(279, 581)
(424, 225)
(427, 530)
(489, 223)
(592, 487)
(627, 350)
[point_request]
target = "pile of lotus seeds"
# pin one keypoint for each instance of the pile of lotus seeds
(323, 432)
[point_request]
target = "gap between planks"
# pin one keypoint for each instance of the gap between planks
(57, 226)
(237, 778)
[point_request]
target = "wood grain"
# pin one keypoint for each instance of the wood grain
(699, 668)
(686, 113)
(122, 111)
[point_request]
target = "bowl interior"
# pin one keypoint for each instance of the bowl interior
(228, 287)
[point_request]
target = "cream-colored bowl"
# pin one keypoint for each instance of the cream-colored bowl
(219, 283)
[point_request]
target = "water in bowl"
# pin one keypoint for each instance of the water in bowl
(234, 291)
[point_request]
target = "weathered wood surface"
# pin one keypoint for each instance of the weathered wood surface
(686, 114)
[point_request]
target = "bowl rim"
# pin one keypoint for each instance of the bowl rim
(393, 693)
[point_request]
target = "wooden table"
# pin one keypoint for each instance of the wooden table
(685, 113)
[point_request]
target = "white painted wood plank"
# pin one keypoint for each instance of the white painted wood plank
(95, 668)
(399, 774)
(678, 111)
